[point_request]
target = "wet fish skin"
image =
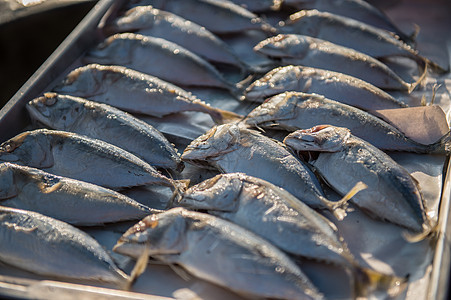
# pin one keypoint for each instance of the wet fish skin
(348, 33)
(103, 122)
(355, 9)
(232, 148)
(79, 157)
(343, 159)
(295, 49)
(45, 246)
(133, 92)
(68, 200)
(218, 251)
(291, 111)
(220, 17)
(333, 85)
(151, 56)
(150, 21)
(272, 213)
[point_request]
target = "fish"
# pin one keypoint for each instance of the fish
(355, 9)
(283, 220)
(106, 123)
(150, 21)
(259, 5)
(296, 49)
(79, 157)
(68, 200)
(291, 111)
(343, 159)
(49, 247)
(353, 34)
(158, 57)
(220, 252)
(220, 17)
(233, 148)
(333, 85)
(135, 92)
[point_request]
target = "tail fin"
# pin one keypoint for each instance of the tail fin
(368, 281)
(221, 116)
(338, 208)
(413, 86)
(138, 269)
(180, 186)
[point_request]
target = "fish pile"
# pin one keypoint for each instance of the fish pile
(246, 200)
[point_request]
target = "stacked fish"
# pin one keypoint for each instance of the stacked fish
(242, 206)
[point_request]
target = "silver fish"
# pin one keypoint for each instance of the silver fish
(158, 57)
(150, 21)
(344, 159)
(233, 148)
(283, 220)
(134, 92)
(68, 200)
(49, 247)
(220, 252)
(295, 49)
(221, 17)
(355, 9)
(106, 123)
(353, 34)
(292, 111)
(79, 157)
(333, 85)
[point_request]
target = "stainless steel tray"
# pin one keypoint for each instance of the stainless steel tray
(14, 119)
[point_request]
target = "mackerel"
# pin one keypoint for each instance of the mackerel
(150, 21)
(295, 49)
(333, 85)
(72, 155)
(134, 92)
(106, 123)
(45, 246)
(68, 200)
(220, 17)
(344, 159)
(232, 148)
(220, 252)
(158, 57)
(291, 111)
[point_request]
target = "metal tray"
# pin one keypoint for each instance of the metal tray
(14, 119)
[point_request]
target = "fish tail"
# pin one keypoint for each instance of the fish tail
(368, 282)
(222, 116)
(428, 232)
(423, 72)
(339, 208)
(180, 186)
(138, 269)
(433, 65)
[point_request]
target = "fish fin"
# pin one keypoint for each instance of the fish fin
(428, 232)
(368, 281)
(416, 30)
(180, 186)
(221, 116)
(420, 81)
(139, 268)
(339, 207)
(242, 85)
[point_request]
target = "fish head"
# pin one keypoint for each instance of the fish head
(159, 234)
(279, 107)
(322, 138)
(284, 45)
(117, 49)
(82, 82)
(56, 111)
(8, 188)
(30, 148)
(217, 141)
(220, 193)
(276, 81)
